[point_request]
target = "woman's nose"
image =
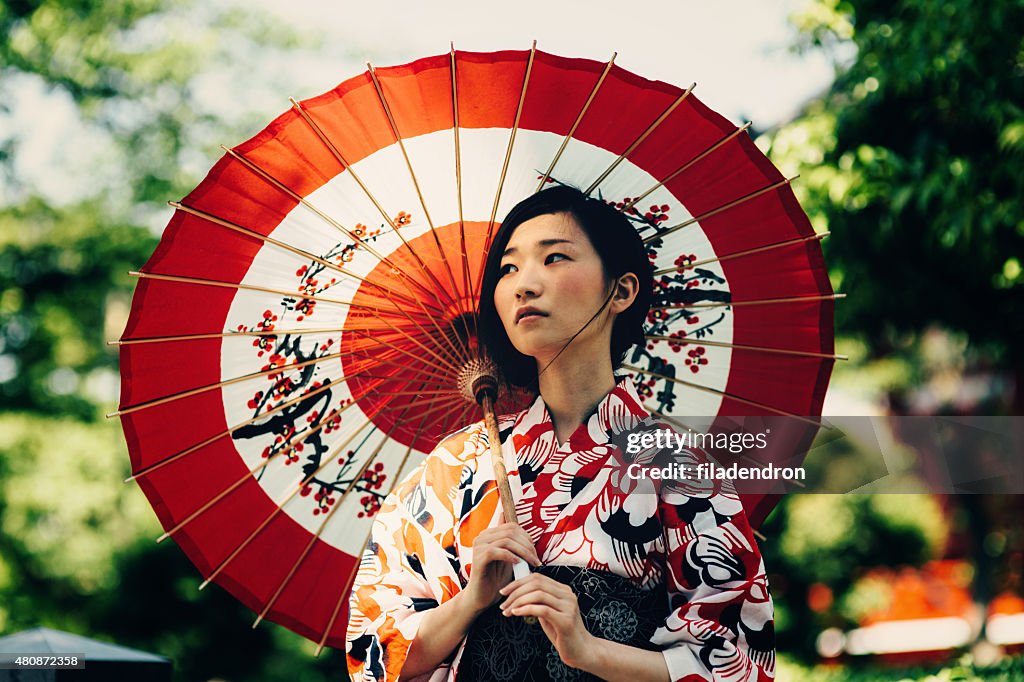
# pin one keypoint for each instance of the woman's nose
(527, 286)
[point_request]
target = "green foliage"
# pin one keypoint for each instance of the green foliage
(825, 535)
(64, 285)
(912, 161)
(67, 521)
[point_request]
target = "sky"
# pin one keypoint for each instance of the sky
(736, 51)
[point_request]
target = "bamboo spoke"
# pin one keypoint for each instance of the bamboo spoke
(504, 166)
(725, 394)
(819, 236)
(724, 207)
(373, 360)
(297, 437)
(423, 203)
(405, 278)
(576, 123)
(453, 298)
(444, 361)
(230, 430)
(280, 186)
(467, 281)
(181, 279)
(387, 292)
(303, 481)
(323, 523)
(398, 309)
(220, 384)
(446, 403)
(765, 349)
(686, 166)
(727, 304)
(243, 333)
(345, 593)
(638, 141)
(249, 287)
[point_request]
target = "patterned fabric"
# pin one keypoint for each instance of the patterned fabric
(581, 509)
(507, 649)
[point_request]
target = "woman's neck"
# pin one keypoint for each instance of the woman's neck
(571, 390)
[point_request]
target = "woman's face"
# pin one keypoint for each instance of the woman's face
(551, 266)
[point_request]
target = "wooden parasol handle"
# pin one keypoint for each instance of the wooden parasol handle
(485, 389)
(500, 472)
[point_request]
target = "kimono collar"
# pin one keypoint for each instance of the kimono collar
(620, 410)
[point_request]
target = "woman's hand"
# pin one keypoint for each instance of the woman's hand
(495, 550)
(558, 610)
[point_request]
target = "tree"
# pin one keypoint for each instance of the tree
(912, 160)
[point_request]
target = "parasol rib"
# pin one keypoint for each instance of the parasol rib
(337, 609)
(726, 304)
(818, 236)
(249, 287)
(638, 141)
(765, 349)
(723, 207)
(319, 531)
(198, 446)
(423, 203)
(504, 165)
(322, 136)
(279, 507)
(292, 249)
(441, 380)
(724, 394)
(405, 279)
(467, 282)
(343, 596)
(576, 123)
(686, 166)
(245, 332)
(262, 465)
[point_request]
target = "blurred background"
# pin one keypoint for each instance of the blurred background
(904, 119)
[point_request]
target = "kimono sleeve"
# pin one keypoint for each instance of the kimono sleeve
(405, 570)
(721, 621)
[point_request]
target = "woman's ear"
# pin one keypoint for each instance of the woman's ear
(626, 289)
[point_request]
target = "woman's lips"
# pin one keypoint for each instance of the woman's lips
(530, 316)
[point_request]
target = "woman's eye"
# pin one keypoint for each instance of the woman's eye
(504, 269)
(554, 255)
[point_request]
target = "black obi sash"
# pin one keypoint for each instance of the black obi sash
(503, 648)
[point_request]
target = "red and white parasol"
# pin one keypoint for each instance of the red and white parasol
(296, 341)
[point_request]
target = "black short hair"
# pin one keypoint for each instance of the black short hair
(620, 248)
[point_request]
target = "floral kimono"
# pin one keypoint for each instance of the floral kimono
(581, 508)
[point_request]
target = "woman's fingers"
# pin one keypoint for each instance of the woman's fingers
(497, 553)
(558, 602)
(541, 611)
(519, 543)
(536, 582)
(507, 530)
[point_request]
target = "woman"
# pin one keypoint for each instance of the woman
(566, 290)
